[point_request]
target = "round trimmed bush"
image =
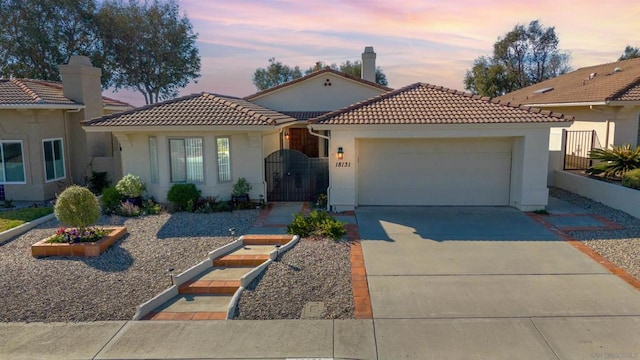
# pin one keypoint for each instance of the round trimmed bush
(77, 206)
(631, 179)
(184, 196)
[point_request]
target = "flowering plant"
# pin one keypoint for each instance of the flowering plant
(130, 186)
(73, 235)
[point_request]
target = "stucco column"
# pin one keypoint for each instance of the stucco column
(529, 171)
(343, 172)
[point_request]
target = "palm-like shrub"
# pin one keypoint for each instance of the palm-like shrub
(616, 161)
(631, 179)
(77, 206)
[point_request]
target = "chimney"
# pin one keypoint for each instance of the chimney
(369, 64)
(81, 83)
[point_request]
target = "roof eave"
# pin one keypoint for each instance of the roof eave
(536, 124)
(568, 104)
(185, 128)
(41, 107)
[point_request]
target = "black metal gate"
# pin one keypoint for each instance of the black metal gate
(293, 176)
(578, 144)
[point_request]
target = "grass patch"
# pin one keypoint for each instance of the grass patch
(13, 218)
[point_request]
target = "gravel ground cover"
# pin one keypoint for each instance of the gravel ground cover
(108, 287)
(621, 247)
(313, 270)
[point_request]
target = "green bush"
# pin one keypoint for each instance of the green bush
(111, 200)
(183, 196)
(317, 224)
(631, 179)
(241, 187)
(78, 207)
(130, 186)
(615, 161)
(98, 181)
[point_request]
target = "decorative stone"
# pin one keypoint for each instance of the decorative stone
(89, 249)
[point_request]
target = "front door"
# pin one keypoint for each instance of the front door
(301, 140)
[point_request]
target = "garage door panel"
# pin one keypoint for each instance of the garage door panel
(434, 172)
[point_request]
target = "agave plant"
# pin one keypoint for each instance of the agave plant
(616, 161)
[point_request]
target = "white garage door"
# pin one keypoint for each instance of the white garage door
(434, 171)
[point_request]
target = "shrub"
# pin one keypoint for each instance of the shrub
(150, 207)
(317, 224)
(631, 179)
(111, 199)
(615, 161)
(241, 187)
(130, 186)
(180, 195)
(129, 210)
(78, 207)
(98, 181)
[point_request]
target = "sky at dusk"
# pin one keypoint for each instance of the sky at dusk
(432, 41)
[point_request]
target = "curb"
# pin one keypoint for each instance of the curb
(19, 230)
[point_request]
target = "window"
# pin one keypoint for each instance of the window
(187, 163)
(11, 162)
(153, 159)
(224, 159)
(53, 159)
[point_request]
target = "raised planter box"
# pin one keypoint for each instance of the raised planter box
(612, 195)
(43, 248)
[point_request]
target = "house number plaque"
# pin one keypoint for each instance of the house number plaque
(343, 164)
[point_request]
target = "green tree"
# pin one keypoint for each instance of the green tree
(630, 52)
(150, 46)
(39, 35)
(275, 74)
(350, 68)
(524, 56)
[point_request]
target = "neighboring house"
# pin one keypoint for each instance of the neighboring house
(605, 101)
(42, 145)
(357, 141)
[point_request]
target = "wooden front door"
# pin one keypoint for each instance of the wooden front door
(301, 140)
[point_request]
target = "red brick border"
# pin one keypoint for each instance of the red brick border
(608, 224)
(361, 296)
(611, 267)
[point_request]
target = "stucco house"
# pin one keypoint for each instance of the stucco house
(605, 101)
(356, 141)
(42, 145)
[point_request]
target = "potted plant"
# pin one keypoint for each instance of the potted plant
(131, 187)
(240, 191)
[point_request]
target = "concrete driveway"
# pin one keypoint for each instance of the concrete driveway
(488, 282)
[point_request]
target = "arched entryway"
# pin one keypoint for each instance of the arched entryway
(293, 176)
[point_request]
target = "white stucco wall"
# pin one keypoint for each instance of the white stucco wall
(246, 161)
(529, 159)
(313, 95)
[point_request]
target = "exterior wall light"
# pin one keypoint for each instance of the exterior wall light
(340, 153)
(286, 136)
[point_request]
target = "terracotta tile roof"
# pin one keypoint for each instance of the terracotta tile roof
(314, 74)
(428, 104)
(599, 83)
(304, 115)
(40, 92)
(203, 109)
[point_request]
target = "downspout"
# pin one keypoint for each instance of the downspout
(310, 129)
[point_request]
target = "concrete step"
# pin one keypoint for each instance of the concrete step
(192, 307)
(218, 280)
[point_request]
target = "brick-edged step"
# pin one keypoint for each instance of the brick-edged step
(266, 239)
(217, 280)
(192, 307)
(248, 255)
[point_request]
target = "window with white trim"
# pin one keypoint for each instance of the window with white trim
(153, 159)
(187, 163)
(224, 159)
(11, 162)
(53, 159)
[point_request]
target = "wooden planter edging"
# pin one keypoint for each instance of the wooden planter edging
(89, 249)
